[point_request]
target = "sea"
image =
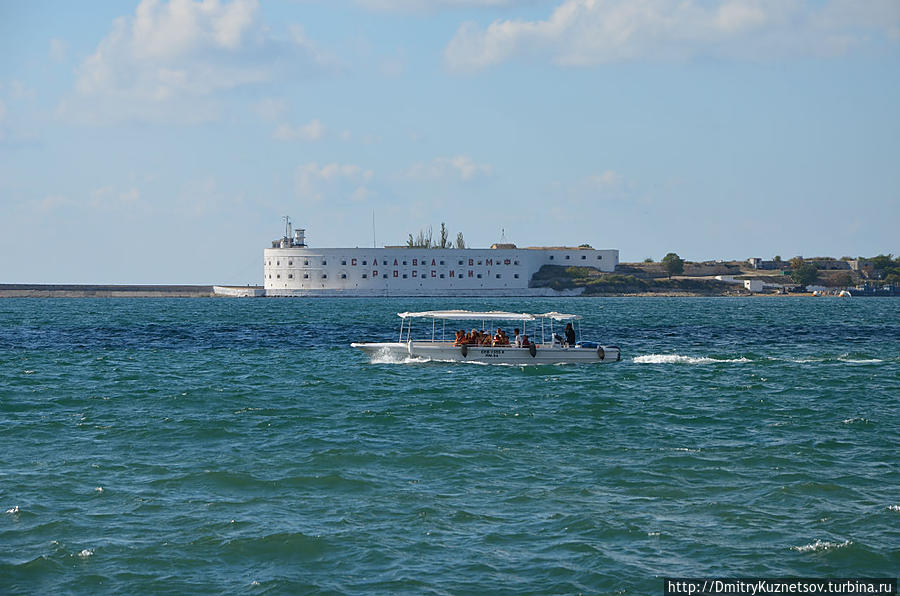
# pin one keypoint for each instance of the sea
(242, 446)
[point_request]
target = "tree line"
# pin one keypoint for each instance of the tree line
(424, 239)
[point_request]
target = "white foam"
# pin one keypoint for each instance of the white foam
(860, 360)
(99, 489)
(88, 552)
(387, 356)
(855, 420)
(13, 510)
(893, 507)
(28, 372)
(680, 359)
(819, 545)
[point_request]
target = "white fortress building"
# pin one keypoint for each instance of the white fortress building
(291, 268)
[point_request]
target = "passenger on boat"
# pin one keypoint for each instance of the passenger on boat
(485, 339)
(570, 335)
(525, 342)
(460, 338)
(518, 338)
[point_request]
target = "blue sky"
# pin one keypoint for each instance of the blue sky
(161, 142)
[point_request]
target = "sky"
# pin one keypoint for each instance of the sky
(161, 142)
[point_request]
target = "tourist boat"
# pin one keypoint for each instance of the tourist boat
(545, 348)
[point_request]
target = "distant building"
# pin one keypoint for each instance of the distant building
(758, 263)
(829, 264)
(864, 267)
(753, 285)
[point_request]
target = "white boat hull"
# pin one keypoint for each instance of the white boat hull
(496, 355)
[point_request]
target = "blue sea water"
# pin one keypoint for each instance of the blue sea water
(224, 445)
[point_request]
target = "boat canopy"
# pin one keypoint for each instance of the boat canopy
(492, 315)
(459, 315)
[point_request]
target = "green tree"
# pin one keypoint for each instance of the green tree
(777, 258)
(648, 260)
(673, 264)
(804, 274)
(444, 234)
(883, 262)
(460, 242)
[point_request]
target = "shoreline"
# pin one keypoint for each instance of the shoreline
(192, 291)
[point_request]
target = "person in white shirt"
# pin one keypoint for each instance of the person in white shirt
(518, 338)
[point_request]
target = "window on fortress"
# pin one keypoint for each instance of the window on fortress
(324, 262)
(344, 262)
(365, 275)
(290, 262)
(384, 276)
(306, 262)
(404, 275)
(442, 276)
(568, 257)
(459, 262)
(270, 276)
(343, 276)
(517, 262)
(442, 262)
(479, 276)
(516, 275)
(404, 262)
(305, 276)
(278, 262)
(324, 276)
(290, 276)
(583, 257)
(551, 257)
(278, 276)
(498, 276)
(599, 257)
(364, 263)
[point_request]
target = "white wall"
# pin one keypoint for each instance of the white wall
(360, 271)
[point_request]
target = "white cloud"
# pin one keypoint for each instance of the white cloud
(460, 167)
(312, 131)
(106, 197)
(432, 5)
(51, 203)
(607, 179)
(271, 108)
(169, 60)
(59, 50)
(333, 181)
(589, 32)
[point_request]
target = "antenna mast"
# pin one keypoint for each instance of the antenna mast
(287, 226)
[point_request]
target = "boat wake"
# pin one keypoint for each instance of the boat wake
(819, 545)
(680, 359)
(386, 356)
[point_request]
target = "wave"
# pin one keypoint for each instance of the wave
(893, 507)
(386, 356)
(819, 545)
(845, 358)
(680, 359)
